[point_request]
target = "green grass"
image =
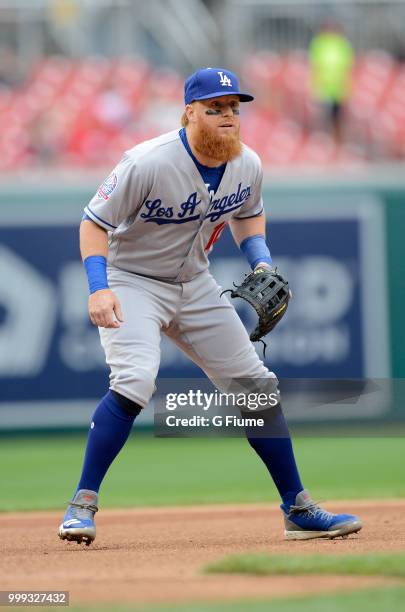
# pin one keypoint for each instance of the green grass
(367, 600)
(375, 564)
(42, 472)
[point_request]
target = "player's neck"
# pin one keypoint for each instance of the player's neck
(205, 160)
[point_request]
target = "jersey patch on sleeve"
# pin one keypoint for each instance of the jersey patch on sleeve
(107, 187)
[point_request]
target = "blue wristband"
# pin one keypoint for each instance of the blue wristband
(256, 250)
(96, 268)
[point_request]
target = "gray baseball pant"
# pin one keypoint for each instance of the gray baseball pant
(193, 314)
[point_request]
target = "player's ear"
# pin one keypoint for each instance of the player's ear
(190, 112)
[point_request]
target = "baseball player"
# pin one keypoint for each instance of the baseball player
(144, 239)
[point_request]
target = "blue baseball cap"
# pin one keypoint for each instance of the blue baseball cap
(211, 83)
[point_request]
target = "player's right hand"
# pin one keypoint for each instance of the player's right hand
(105, 309)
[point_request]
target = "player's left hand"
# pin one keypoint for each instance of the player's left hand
(269, 293)
(266, 265)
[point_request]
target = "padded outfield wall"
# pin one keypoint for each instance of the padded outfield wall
(340, 244)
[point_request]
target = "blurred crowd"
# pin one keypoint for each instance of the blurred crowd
(321, 106)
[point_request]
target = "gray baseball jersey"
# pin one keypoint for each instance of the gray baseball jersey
(162, 219)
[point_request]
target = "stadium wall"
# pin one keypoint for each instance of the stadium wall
(340, 244)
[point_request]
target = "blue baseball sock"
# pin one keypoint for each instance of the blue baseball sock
(109, 430)
(275, 450)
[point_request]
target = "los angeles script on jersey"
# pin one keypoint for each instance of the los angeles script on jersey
(156, 211)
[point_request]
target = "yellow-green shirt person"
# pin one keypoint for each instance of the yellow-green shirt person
(331, 57)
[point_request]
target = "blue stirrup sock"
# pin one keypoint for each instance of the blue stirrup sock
(276, 452)
(111, 426)
(109, 430)
(256, 250)
(96, 268)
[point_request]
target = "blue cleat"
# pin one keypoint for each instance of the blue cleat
(305, 520)
(78, 523)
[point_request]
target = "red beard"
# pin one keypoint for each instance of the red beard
(223, 147)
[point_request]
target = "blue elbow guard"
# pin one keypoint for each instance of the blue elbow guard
(256, 250)
(96, 268)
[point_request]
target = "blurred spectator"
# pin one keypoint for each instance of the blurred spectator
(98, 125)
(46, 138)
(165, 104)
(10, 76)
(398, 46)
(331, 61)
(111, 110)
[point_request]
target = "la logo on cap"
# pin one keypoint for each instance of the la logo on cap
(224, 79)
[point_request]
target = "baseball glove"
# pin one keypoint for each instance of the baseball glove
(269, 293)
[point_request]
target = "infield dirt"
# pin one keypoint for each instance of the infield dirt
(155, 555)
